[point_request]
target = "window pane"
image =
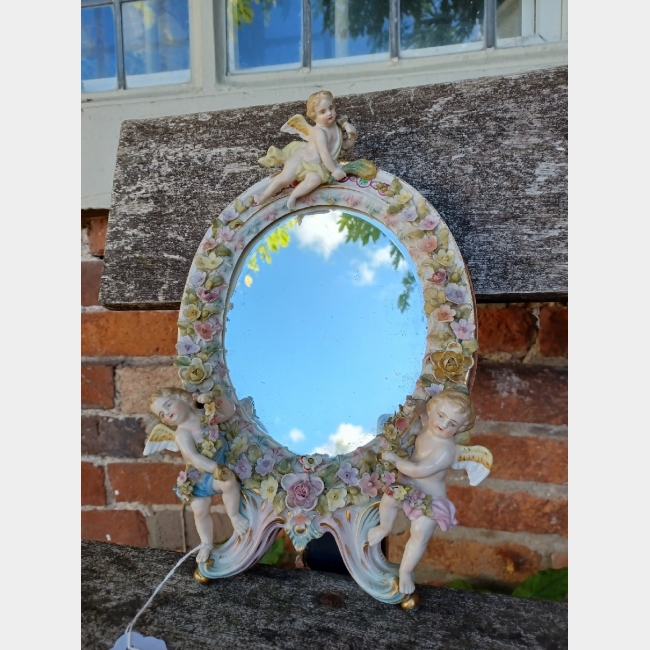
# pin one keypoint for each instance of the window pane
(264, 33)
(343, 28)
(98, 68)
(529, 21)
(156, 42)
(436, 23)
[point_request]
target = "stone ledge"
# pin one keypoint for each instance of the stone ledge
(268, 607)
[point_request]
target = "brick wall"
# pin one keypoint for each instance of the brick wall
(512, 525)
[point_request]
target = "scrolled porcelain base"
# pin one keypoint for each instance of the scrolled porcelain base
(349, 527)
(242, 551)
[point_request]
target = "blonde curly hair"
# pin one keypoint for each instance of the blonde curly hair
(463, 402)
(168, 391)
(313, 99)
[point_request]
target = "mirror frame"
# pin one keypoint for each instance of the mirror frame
(449, 361)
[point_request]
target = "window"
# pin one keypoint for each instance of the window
(285, 34)
(131, 44)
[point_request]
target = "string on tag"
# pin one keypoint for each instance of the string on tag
(129, 627)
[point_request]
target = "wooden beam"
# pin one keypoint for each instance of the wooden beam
(490, 154)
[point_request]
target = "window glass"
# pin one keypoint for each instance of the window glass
(98, 67)
(156, 42)
(438, 23)
(524, 22)
(348, 28)
(264, 34)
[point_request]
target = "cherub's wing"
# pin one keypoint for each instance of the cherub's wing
(475, 460)
(161, 437)
(297, 125)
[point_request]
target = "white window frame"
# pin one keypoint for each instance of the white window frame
(170, 83)
(209, 75)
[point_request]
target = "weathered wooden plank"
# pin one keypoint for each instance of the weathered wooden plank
(285, 609)
(489, 154)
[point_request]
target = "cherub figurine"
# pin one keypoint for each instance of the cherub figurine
(426, 504)
(205, 474)
(311, 162)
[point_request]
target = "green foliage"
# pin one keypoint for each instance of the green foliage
(278, 238)
(550, 584)
(403, 299)
(356, 230)
(273, 555)
(361, 230)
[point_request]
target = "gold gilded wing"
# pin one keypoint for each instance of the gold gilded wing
(161, 437)
(297, 125)
(475, 460)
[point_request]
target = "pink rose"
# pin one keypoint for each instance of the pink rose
(206, 330)
(428, 244)
(429, 222)
(439, 276)
(369, 484)
(389, 478)
(444, 314)
(208, 296)
(226, 233)
(208, 244)
(302, 490)
(463, 330)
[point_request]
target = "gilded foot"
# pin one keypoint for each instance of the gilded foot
(200, 578)
(412, 604)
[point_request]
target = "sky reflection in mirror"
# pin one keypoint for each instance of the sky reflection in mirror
(325, 335)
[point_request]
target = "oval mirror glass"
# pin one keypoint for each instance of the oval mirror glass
(326, 329)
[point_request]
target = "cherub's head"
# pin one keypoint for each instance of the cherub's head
(320, 108)
(171, 405)
(450, 412)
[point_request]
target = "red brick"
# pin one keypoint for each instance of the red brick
(507, 562)
(148, 483)
(135, 385)
(559, 560)
(93, 491)
(518, 392)
(171, 532)
(128, 333)
(97, 389)
(544, 460)
(553, 337)
(91, 274)
(510, 330)
(118, 526)
(110, 436)
(510, 511)
(97, 227)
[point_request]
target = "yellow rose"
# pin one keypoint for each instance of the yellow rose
(192, 312)
(451, 364)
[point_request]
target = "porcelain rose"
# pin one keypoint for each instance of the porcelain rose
(302, 490)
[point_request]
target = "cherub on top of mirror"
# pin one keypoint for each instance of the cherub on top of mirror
(314, 160)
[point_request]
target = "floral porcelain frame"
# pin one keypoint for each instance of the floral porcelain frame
(310, 495)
